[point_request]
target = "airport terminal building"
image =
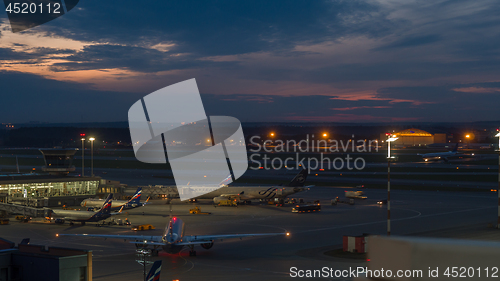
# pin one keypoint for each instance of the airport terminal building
(38, 190)
(56, 188)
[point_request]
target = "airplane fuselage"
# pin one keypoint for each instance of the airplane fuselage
(79, 216)
(437, 156)
(115, 205)
(173, 234)
(253, 192)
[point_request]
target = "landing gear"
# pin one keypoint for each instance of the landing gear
(71, 223)
(192, 252)
(83, 223)
(207, 245)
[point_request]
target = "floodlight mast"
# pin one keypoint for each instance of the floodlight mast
(498, 188)
(389, 140)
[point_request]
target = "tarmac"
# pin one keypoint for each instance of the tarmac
(464, 215)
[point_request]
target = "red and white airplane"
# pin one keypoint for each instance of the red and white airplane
(173, 239)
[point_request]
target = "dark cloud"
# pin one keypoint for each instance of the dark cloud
(443, 95)
(34, 98)
(412, 41)
(221, 27)
(407, 44)
(444, 107)
(460, 102)
(133, 58)
(28, 97)
(31, 55)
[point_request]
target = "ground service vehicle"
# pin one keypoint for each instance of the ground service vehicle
(231, 203)
(143, 227)
(382, 202)
(23, 218)
(355, 194)
(306, 208)
(197, 211)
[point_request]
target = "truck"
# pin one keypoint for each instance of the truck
(336, 200)
(143, 227)
(228, 202)
(306, 208)
(197, 211)
(355, 194)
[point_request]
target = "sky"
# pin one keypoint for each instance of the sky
(277, 61)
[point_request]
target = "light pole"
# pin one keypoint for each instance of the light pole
(83, 156)
(143, 254)
(498, 188)
(91, 156)
(389, 140)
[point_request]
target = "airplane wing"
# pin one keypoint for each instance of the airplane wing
(202, 239)
(71, 218)
(136, 239)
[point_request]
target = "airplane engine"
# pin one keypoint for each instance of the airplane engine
(207, 245)
(217, 200)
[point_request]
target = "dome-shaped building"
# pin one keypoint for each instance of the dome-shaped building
(415, 136)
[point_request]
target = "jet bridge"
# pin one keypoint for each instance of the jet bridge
(24, 210)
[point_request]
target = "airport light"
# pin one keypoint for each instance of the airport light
(325, 135)
(498, 136)
(389, 140)
(498, 220)
(92, 156)
(272, 134)
(83, 155)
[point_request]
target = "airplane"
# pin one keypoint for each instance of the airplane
(154, 272)
(445, 156)
(84, 216)
(134, 202)
(173, 239)
(247, 193)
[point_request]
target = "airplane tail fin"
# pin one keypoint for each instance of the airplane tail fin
(456, 148)
(154, 272)
(136, 199)
(226, 181)
(299, 179)
(106, 207)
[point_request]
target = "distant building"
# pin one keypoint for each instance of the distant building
(58, 161)
(33, 262)
(417, 137)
